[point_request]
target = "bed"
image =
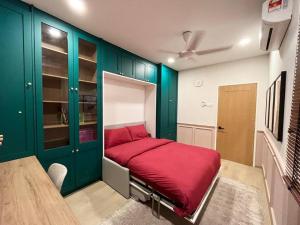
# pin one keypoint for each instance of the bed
(176, 175)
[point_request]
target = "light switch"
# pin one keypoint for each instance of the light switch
(198, 83)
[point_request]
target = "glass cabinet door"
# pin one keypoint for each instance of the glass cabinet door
(55, 84)
(87, 60)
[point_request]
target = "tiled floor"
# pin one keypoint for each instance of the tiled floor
(97, 202)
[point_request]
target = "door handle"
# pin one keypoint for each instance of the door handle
(28, 84)
(221, 128)
(1, 139)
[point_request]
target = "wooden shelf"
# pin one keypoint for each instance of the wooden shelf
(56, 140)
(87, 59)
(88, 103)
(56, 126)
(88, 82)
(55, 76)
(50, 101)
(47, 47)
(88, 123)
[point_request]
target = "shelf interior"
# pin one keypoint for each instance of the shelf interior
(55, 87)
(56, 137)
(87, 91)
(87, 51)
(54, 38)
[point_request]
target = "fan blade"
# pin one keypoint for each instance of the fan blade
(194, 41)
(210, 51)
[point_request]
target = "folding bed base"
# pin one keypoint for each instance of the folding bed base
(149, 193)
(118, 177)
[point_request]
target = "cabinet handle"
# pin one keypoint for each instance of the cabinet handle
(28, 84)
(76, 89)
(71, 88)
(1, 139)
(77, 150)
(73, 151)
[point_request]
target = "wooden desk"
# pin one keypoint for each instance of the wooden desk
(27, 196)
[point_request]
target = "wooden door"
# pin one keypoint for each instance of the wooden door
(16, 90)
(236, 122)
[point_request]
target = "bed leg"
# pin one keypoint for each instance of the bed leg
(155, 198)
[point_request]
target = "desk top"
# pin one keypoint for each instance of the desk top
(27, 196)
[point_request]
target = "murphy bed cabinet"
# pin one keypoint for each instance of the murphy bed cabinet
(68, 100)
(124, 63)
(17, 89)
(167, 84)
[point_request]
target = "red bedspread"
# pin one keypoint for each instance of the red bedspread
(124, 152)
(181, 172)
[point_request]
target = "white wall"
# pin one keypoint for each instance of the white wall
(123, 102)
(284, 208)
(284, 59)
(252, 70)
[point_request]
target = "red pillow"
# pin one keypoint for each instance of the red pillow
(138, 132)
(115, 137)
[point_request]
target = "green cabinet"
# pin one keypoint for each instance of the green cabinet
(68, 83)
(151, 73)
(88, 108)
(167, 103)
(110, 58)
(124, 63)
(16, 91)
(140, 70)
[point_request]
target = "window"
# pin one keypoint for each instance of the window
(293, 150)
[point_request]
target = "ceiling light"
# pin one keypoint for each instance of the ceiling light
(54, 32)
(171, 60)
(245, 41)
(77, 5)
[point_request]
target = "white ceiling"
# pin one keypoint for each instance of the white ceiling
(145, 27)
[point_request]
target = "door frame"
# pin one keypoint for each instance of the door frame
(255, 125)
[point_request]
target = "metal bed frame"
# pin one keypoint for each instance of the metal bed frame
(119, 178)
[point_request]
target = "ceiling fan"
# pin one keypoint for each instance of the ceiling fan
(192, 41)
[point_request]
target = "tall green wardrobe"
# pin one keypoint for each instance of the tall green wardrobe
(16, 81)
(166, 116)
(68, 100)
